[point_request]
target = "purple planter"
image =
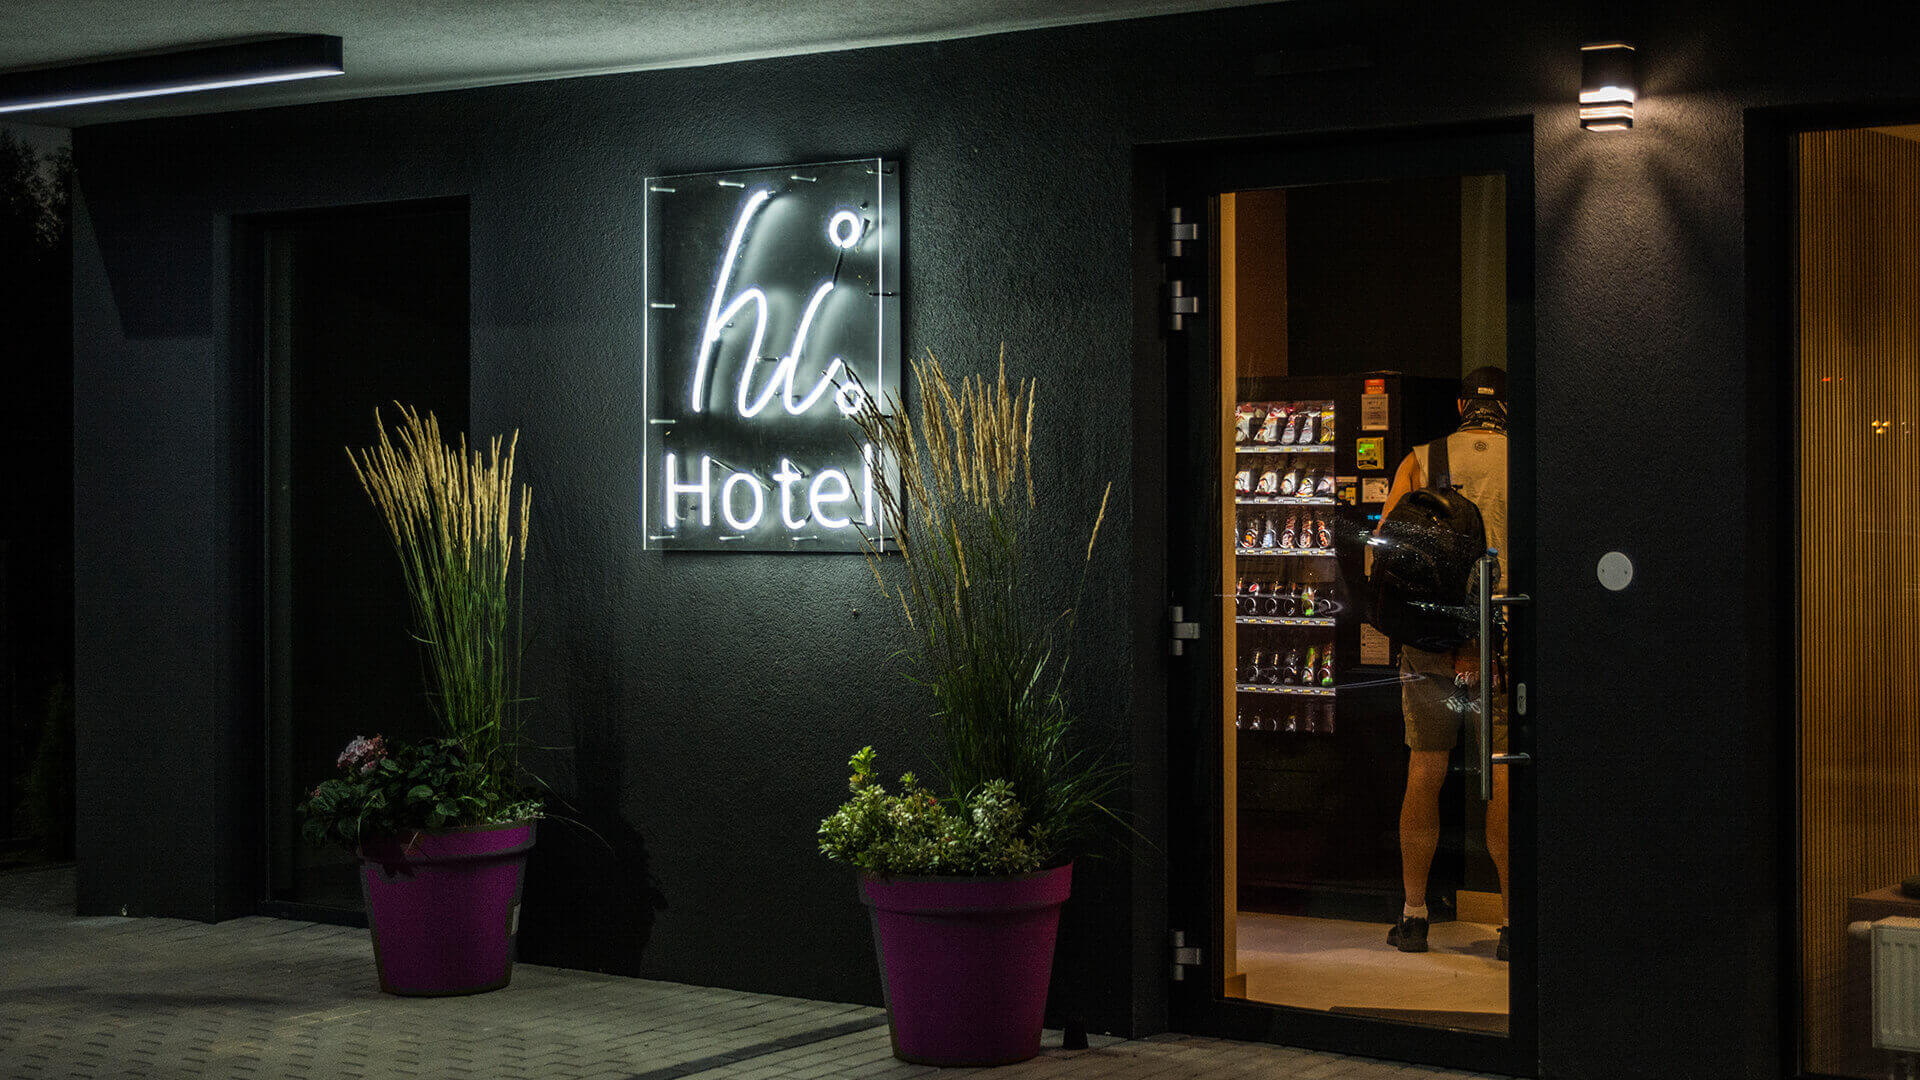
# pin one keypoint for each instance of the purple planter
(443, 907)
(965, 962)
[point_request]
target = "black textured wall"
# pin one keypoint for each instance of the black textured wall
(705, 704)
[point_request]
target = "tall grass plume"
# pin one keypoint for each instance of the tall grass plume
(459, 526)
(964, 512)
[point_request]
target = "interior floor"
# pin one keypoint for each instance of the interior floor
(1337, 965)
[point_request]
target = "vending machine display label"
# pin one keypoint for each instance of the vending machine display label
(771, 316)
(1374, 414)
(1370, 454)
(1375, 647)
(1374, 489)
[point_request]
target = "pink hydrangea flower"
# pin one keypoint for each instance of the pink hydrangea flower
(363, 753)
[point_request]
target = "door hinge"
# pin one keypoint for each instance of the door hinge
(1184, 955)
(1183, 631)
(1180, 232)
(1180, 305)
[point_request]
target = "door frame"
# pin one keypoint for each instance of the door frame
(1772, 262)
(267, 455)
(1191, 176)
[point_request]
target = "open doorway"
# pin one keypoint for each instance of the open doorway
(1340, 878)
(361, 307)
(1350, 313)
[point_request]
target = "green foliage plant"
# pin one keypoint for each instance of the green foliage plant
(431, 784)
(963, 513)
(914, 833)
(459, 526)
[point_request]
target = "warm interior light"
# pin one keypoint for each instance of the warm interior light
(286, 58)
(1608, 88)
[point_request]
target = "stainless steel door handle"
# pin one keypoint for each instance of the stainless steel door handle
(1487, 600)
(1485, 568)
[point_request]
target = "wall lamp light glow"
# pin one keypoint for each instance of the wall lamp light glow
(1608, 88)
(214, 67)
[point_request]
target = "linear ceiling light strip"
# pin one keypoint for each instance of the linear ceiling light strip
(182, 71)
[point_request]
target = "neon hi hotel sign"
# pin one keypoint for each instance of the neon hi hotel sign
(772, 314)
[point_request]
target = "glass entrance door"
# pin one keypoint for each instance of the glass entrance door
(360, 308)
(1354, 428)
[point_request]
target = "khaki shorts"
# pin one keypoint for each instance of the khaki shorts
(1436, 706)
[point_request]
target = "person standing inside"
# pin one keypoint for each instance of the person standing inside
(1438, 687)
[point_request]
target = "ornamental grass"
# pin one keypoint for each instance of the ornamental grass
(459, 527)
(964, 514)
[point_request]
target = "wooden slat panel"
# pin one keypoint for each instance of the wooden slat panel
(1858, 234)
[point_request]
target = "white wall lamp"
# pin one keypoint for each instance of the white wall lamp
(282, 58)
(1607, 86)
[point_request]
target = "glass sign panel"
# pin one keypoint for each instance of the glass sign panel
(772, 314)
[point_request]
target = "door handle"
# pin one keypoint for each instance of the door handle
(1487, 601)
(1485, 569)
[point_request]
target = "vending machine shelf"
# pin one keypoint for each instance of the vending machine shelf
(1286, 500)
(1284, 448)
(1303, 691)
(1321, 552)
(1282, 620)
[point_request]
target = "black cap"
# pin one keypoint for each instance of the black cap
(1484, 384)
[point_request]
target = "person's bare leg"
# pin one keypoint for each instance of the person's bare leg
(1497, 833)
(1420, 821)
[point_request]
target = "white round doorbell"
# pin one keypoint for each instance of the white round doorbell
(1615, 570)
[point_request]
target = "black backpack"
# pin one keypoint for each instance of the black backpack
(1423, 590)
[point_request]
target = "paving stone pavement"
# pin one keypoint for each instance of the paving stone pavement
(272, 999)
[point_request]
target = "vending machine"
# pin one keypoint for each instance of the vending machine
(1316, 697)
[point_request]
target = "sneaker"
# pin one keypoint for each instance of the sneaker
(1500, 951)
(1409, 935)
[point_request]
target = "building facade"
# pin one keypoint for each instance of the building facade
(697, 709)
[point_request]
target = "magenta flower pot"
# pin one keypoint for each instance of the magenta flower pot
(965, 962)
(443, 907)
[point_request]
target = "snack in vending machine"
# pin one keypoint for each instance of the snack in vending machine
(1290, 603)
(1249, 671)
(1323, 532)
(1270, 427)
(1250, 536)
(1243, 482)
(1326, 667)
(1292, 433)
(1245, 596)
(1290, 484)
(1269, 482)
(1305, 677)
(1289, 672)
(1269, 672)
(1306, 601)
(1293, 719)
(1286, 538)
(1326, 433)
(1307, 417)
(1267, 538)
(1243, 418)
(1323, 484)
